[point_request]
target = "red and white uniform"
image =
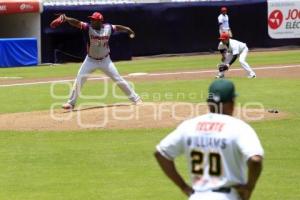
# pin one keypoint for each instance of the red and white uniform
(216, 148)
(98, 58)
(98, 46)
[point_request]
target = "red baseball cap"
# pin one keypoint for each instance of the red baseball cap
(223, 9)
(224, 36)
(97, 16)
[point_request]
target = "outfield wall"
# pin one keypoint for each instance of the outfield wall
(163, 28)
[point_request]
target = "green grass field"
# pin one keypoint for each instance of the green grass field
(119, 164)
(158, 64)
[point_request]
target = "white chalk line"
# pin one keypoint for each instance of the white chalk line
(10, 77)
(153, 74)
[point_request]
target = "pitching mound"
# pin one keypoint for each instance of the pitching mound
(119, 116)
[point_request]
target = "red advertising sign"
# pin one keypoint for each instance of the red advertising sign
(275, 19)
(18, 6)
(284, 19)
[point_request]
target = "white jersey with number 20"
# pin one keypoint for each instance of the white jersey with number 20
(217, 148)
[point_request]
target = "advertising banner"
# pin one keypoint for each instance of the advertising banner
(284, 19)
(19, 6)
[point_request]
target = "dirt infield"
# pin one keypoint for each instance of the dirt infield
(119, 116)
(125, 116)
(261, 72)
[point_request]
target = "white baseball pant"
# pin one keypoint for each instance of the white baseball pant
(88, 66)
(210, 195)
(242, 60)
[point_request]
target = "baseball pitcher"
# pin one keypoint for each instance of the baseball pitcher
(223, 153)
(232, 49)
(97, 54)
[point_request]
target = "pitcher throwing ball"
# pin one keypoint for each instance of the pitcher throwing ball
(97, 54)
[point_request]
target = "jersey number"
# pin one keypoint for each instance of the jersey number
(214, 163)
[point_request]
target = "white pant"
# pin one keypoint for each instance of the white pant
(209, 195)
(242, 60)
(88, 66)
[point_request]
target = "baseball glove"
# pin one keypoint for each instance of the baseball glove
(58, 21)
(223, 67)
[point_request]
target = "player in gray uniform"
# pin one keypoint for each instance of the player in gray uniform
(98, 56)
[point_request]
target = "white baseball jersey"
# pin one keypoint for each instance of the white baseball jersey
(98, 43)
(234, 47)
(217, 148)
(224, 21)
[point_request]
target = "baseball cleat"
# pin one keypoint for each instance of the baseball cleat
(138, 102)
(220, 76)
(252, 76)
(68, 106)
